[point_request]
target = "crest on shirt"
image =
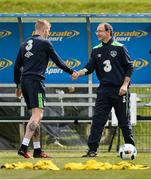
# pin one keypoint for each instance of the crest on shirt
(113, 53)
(28, 54)
(99, 55)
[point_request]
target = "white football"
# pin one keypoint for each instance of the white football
(127, 152)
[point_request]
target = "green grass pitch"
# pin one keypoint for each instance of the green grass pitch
(61, 158)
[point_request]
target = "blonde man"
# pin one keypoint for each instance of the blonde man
(29, 73)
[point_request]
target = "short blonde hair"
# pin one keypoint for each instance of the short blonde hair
(41, 24)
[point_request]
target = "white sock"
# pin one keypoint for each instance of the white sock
(26, 141)
(36, 145)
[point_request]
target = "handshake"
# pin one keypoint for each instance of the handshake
(76, 74)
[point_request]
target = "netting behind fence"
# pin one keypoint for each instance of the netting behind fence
(74, 137)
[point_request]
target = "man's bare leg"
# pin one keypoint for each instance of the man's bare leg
(31, 127)
(38, 153)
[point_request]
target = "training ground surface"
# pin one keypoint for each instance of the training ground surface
(61, 158)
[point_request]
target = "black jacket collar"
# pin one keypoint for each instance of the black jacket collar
(108, 43)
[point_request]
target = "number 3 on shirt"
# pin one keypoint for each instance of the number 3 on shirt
(107, 67)
(29, 45)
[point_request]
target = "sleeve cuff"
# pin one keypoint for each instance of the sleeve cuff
(71, 71)
(85, 70)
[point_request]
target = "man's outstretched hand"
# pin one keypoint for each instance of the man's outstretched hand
(75, 75)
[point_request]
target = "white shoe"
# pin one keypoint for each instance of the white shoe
(58, 143)
(138, 99)
(148, 104)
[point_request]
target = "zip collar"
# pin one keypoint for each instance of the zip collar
(108, 43)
